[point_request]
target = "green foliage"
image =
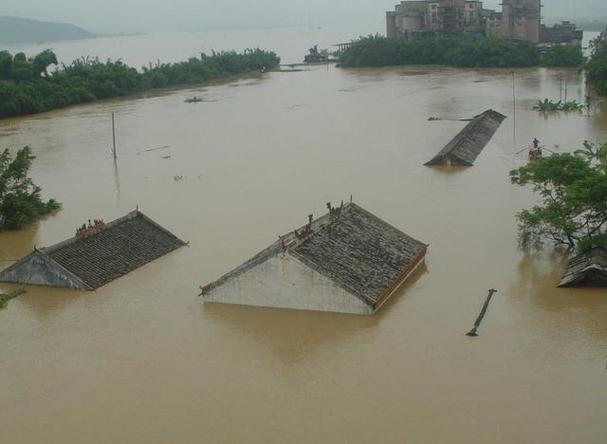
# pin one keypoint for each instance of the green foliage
(5, 298)
(573, 199)
(27, 86)
(596, 67)
(461, 51)
(20, 201)
(547, 105)
(563, 55)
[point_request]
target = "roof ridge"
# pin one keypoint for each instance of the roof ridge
(72, 240)
(157, 225)
(286, 242)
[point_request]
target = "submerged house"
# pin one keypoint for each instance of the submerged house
(586, 270)
(97, 255)
(347, 261)
(470, 142)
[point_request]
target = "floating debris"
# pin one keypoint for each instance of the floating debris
(347, 261)
(468, 144)
(156, 149)
(196, 99)
(92, 259)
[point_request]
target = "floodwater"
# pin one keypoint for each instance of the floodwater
(141, 360)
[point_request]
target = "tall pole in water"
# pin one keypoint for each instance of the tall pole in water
(514, 106)
(113, 137)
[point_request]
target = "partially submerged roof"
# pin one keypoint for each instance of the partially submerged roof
(355, 250)
(470, 142)
(586, 270)
(97, 256)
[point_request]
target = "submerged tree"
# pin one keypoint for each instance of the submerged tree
(20, 201)
(572, 211)
(596, 68)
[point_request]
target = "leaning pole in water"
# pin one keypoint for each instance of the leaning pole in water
(477, 324)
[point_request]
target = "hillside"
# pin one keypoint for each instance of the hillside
(21, 30)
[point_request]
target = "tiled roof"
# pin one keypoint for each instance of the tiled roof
(355, 249)
(470, 142)
(94, 260)
(586, 270)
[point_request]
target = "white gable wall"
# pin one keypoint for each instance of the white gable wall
(38, 269)
(285, 282)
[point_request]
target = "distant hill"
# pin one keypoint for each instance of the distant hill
(21, 30)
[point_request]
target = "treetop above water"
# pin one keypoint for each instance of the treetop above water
(460, 51)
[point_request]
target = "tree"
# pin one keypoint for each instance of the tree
(572, 211)
(20, 201)
(42, 61)
(6, 65)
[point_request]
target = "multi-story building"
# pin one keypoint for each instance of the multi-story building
(519, 19)
(565, 32)
(435, 16)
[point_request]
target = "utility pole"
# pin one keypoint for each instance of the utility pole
(113, 137)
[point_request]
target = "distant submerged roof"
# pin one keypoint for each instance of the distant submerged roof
(586, 270)
(94, 258)
(470, 142)
(355, 250)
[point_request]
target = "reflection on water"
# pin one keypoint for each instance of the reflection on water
(141, 360)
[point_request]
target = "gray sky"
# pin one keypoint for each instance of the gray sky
(191, 15)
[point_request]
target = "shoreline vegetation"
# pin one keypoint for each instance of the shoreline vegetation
(27, 86)
(457, 51)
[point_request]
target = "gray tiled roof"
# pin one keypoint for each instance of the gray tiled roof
(360, 252)
(470, 142)
(586, 270)
(355, 249)
(91, 262)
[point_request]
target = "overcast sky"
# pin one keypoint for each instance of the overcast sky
(191, 15)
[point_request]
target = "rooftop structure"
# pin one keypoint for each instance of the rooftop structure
(587, 270)
(347, 261)
(470, 142)
(97, 255)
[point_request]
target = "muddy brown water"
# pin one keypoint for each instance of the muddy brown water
(143, 361)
